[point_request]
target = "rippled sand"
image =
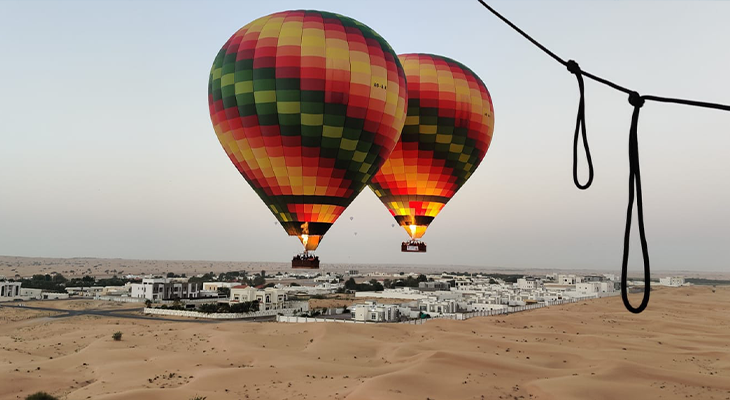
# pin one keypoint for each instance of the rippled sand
(678, 349)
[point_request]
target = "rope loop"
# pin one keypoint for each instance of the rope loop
(580, 129)
(635, 194)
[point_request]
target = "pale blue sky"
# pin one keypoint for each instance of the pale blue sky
(107, 150)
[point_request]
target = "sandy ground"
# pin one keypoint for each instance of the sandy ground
(81, 304)
(679, 348)
(19, 314)
(106, 267)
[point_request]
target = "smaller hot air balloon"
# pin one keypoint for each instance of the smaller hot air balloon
(351, 218)
(447, 132)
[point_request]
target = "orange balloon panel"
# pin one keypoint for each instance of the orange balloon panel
(447, 132)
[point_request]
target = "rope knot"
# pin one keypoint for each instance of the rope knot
(573, 67)
(636, 100)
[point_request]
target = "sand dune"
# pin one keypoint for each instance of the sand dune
(678, 349)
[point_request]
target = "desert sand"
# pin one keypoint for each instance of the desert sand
(679, 348)
(13, 267)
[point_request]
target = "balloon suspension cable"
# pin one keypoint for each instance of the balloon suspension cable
(637, 101)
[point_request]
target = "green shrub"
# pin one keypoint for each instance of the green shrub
(41, 396)
(198, 398)
(117, 336)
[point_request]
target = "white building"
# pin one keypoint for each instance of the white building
(433, 305)
(608, 287)
(374, 312)
(588, 288)
(322, 288)
(54, 296)
(326, 278)
(672, 281)
(9, 290)
(473, 307)
(29, 293)
(165, 289)
(117, 290)
(400, 293)
(568, 279)
(87, 291)
(214, 286)
(268, 298)
(433, 286)
(529, 283)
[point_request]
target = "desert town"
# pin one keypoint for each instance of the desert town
(357, 297)
(499, 336)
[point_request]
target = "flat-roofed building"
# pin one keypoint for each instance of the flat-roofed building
(30, 293)
(214, 286)
(433, 286)
(268, 298)
(529, 283)
(9, 290)
(373, 312)
(166, 289)
(672, 281)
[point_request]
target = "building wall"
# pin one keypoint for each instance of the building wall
(162, 289)
(214, 286)
(269, 298)
(672, 281)
(31, 293)
(54, 296)
(393, 294)
(9, 289)
(373, 312)
(588, 287)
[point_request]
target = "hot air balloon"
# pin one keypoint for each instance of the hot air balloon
(447, 132)
(307, 106)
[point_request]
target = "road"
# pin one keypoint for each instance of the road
(129, 313)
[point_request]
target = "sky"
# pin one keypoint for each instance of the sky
(107, 149)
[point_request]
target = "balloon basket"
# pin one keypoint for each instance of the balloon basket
(413, 246)
(305, 261)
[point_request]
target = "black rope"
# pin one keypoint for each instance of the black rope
(635, 188)
(637, 101)
(580, 125)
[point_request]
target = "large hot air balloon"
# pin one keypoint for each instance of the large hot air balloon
(307, 105)
(446, 135)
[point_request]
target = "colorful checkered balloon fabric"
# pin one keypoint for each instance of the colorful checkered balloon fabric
(307, 105)
(447, 132)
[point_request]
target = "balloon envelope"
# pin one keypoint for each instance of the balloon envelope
(307, 105)
(447, 132)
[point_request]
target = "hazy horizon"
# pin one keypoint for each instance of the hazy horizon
(434, 266)
(108, 150)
